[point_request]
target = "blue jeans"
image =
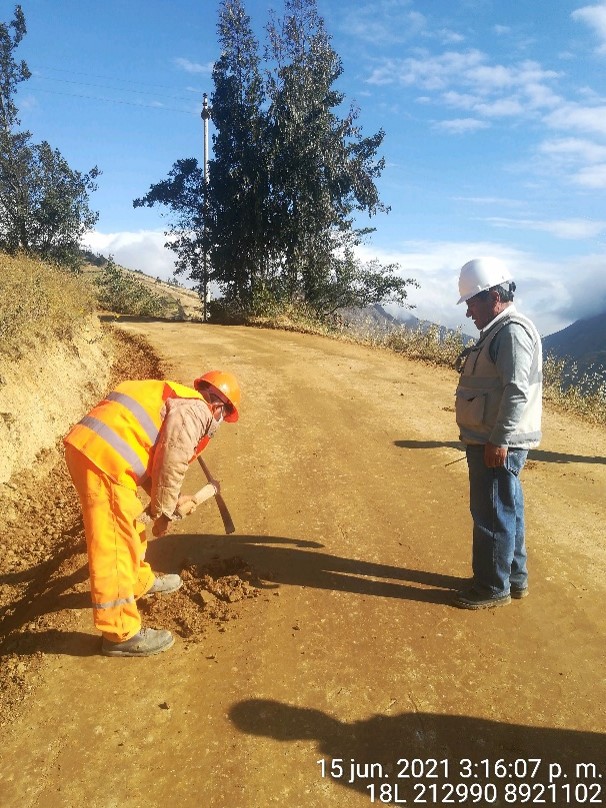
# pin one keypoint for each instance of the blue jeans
(496, 503)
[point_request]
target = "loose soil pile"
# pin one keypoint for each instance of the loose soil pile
(207, 597)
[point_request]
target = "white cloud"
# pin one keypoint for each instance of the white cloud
(490, 200)
(466, 80)
(428, 72)
(595, 18)
(461, 126)
(571, 116)
(143, 250)
(553, 293)
(575, 149)
(561, 228)
(384, 22)
(592, 177)
(583, 160)
(490, 77)
(194, 67)
(459, 100)
(449, 37)
(500, 108)
(486, 92)
(584, 282)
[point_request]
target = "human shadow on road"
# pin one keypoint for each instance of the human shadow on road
(540, 455)
(280, 560)
(374, 755)
(276, 560)
(55, 641)
(43, 590)
(46, 592)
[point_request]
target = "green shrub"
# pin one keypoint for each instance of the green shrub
(121, 293)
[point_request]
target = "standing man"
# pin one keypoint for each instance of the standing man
(498, 411)
(144, 433)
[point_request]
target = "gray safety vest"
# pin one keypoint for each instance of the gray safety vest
(479, 396)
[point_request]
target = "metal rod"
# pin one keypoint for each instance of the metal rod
(206, 113)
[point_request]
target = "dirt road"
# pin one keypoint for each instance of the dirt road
(342, 676)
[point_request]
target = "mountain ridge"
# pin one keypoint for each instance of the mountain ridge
(581, 346)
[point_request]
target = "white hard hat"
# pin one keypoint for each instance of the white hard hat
(481, 274)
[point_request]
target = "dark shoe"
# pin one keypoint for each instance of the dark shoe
(471, 599)
(147, 642)
(165, 584)
(518, 592)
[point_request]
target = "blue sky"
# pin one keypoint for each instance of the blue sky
(494, 113)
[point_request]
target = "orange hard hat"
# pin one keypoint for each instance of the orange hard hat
(226, 385)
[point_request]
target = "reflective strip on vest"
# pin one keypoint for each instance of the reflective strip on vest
(111, 604)
(139, 412)
(116, 442)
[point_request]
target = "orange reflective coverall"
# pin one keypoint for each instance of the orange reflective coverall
(145, 433)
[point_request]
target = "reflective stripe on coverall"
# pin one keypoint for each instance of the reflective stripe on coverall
(109, 453)
(116, 547)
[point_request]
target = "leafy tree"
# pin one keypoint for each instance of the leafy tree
(11, 72)
(183, 193)
(355, 284)
(44, 207)
(323, 171)
(224, 220)
(238, 191)
(56, 213)
(289, 175)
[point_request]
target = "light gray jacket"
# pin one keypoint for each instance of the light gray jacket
(499, 395)
(187, 422)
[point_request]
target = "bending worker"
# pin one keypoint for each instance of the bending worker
(498, 411)
(144, 433)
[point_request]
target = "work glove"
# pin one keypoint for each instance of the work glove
(160, 526)
(188, 503)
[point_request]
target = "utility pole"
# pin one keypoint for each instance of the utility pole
(205, 114)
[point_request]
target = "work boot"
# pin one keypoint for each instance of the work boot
(518, 592)
(146, 642)
(164, 584)
(472, 599)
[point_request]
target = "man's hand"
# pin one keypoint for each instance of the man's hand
(495, 456)
(185, 504)
(161, 526)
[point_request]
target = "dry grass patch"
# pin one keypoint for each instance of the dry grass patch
(39, 303)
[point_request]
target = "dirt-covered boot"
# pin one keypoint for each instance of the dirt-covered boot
(164, 584)
(146, 642)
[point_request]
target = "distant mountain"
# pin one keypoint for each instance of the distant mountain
(583, 347)
(375, 319)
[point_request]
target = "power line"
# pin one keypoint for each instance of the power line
(136, 87)
(138, 84)
(106, 87)
(117, 101)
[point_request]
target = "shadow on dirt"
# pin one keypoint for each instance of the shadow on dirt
(56, 641)
(422, 753)
(45, 588)
(40, 622)
(538, 455)
(280, 560)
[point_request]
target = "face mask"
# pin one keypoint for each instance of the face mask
(214, 426)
